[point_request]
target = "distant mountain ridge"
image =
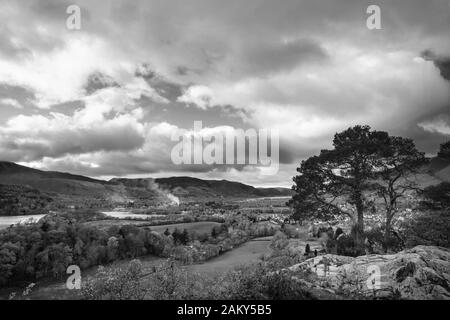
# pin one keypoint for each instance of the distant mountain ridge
(76, 190)
(10, 168)
(192, 187)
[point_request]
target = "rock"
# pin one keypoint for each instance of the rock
(422, 272)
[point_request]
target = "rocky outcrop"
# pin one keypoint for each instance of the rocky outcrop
(422, 272)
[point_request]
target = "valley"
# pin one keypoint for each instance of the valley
(210, 230)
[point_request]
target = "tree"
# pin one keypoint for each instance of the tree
(347, 180)
(444, 151)
(116, 284)
(177, 235)
(333, 183)
(185, 237)
(396, 165)
(167, 232)
(307, 249)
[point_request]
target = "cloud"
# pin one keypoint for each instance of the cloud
(142, 69)
(439, 124)
(97, 81)
(279, 56)
(441, 62)
(109, 121)
(11, 102)
(33, 137)
(199, 95)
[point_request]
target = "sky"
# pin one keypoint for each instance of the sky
(105, 100)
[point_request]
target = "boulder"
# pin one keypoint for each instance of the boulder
(422, 272)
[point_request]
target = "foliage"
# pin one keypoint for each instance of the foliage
(21, 200)
(116, 284)
(283, 254)
(377, 241)
(258, 282)
(437, 196)
(46, 248)
(279, 241)
(430, 228)
(169, 281)
(398, 161)
(444, 151)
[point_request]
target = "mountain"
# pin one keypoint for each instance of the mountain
(194, 188)
(440, 168)
(224, 188)
(65, 189)
(53, 182)
(13, 170)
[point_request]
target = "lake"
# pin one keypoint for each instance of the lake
(128, 215)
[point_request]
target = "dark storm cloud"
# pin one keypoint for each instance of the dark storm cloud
(165, 88)
(97, 81)
(16, 92)
(441, 62)
(69, 141)
(275, 57)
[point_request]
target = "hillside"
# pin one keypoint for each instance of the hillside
(65, 189)
(51, 181)
(194, 188)
(214, 188)
(440, 168)
(22, 200)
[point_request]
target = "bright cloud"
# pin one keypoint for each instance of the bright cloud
(439, 124)
(11, 102)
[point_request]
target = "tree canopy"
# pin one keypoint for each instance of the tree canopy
(364, 166)
(444, 151)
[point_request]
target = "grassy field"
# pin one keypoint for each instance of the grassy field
(248, 253)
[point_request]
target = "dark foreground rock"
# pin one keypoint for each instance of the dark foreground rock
(422, 272)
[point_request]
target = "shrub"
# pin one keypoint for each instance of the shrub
(279, 241)
(338, 232)
(116, 284)
(437, 196)
(376, 241)
(343, 245)
(257, 282)
(431, 228)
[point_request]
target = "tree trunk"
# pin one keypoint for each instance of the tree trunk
(387, 232)
(360, 233)
(359, 236)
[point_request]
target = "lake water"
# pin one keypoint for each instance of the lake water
(266, 198)
(128, 215)
(7, 221)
